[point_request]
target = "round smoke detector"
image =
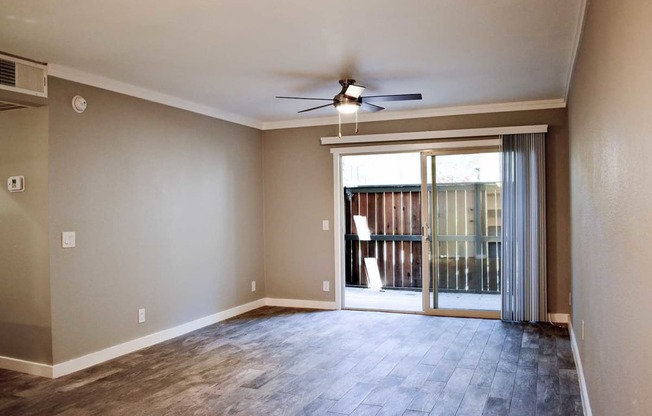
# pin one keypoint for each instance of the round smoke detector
(79, 103)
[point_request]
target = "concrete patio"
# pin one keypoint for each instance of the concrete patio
(411, 301)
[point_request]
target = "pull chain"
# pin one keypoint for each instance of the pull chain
(339, 122)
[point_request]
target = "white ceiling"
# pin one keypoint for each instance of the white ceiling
(231, 58)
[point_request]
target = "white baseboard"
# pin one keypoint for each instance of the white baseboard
(299, 303)
(29, 367)
(559, 318)
(89, 360)
(110, 353)
(586, 405)
(76, 364)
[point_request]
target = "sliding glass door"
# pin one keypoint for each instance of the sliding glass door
(422, 232)
(382, 238)
(461, 216)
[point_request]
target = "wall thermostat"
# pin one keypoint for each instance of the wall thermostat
(16, 184)
(79, 103)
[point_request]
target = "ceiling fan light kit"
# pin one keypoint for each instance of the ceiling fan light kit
(350, 100)
(345, 107)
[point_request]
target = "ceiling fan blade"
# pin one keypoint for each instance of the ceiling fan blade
(306, 98)
(315, 108)
(371, 107)
(394, 97)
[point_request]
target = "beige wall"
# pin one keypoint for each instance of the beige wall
(299, 195)
(611, 147)
(25, 331)
(168, 210)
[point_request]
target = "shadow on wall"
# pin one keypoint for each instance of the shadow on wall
(25, 325)
(24, 341)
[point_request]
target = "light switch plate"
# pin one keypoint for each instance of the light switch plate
(16, 184)
(68, 239)
(325, 225)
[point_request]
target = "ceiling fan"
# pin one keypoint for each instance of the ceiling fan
(350, 99)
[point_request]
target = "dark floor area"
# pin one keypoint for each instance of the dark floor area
(279, 361)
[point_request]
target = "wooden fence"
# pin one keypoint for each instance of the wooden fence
(468, 236)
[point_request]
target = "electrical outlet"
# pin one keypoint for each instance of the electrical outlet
(141, 315)
(325, 225)
(582, 329)
(326, 286)
(253, 286)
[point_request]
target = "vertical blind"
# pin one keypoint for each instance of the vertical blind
(524, 291)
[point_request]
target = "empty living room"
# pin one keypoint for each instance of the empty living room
(247, 207)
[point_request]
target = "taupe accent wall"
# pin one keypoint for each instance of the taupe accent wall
(25, 331)
(611, 199)
(167, 207)
(299, 195)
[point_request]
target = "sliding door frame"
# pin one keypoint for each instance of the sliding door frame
(429, 229)
(452, 146)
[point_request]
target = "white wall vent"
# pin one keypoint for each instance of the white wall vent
(22, 83)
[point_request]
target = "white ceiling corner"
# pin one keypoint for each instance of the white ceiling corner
(577, 39)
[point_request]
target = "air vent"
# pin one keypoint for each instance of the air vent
(23, 76)
(7, 73)
(23, 83)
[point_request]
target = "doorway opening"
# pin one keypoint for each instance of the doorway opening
(464, 231)
(393, 238)
(382, 214)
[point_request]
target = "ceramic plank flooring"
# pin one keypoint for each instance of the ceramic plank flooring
(280, 361)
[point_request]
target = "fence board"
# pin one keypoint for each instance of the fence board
(348, 260)
(398, 270)
(416, 265)
(380, 213)
(468, 223)
(363, 211)
(371, 212)
(355, 252)
(415, 211)
(405, 213)
(389, 215)
(396, 206)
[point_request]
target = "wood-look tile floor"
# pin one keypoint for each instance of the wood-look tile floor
(278, 361)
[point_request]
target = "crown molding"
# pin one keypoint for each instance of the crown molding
(72, 74)
(424, 113)
(577, 39)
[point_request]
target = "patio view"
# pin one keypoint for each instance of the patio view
(383, 240)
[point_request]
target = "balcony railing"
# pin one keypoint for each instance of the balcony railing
(468, 236)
